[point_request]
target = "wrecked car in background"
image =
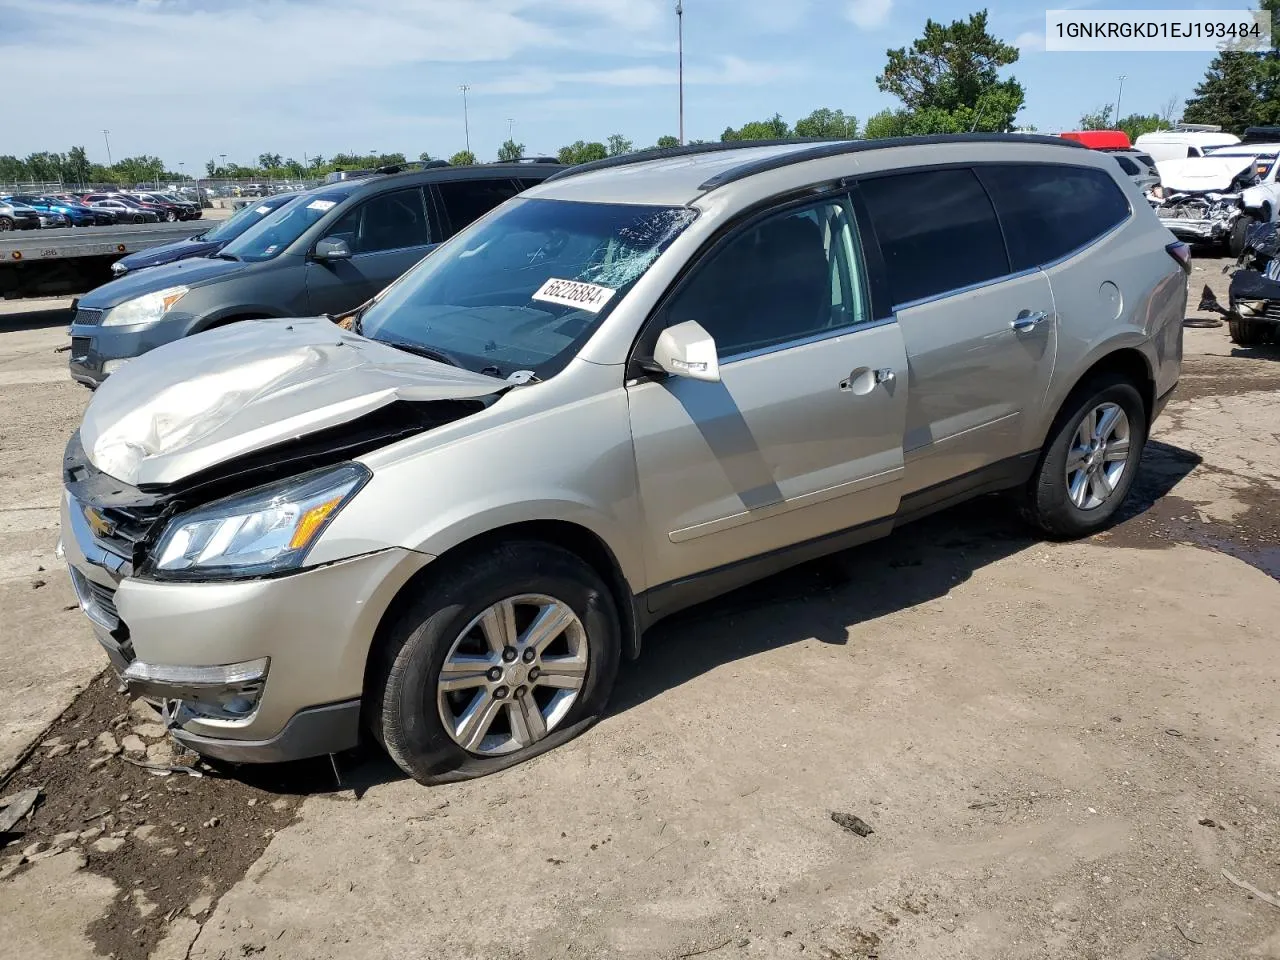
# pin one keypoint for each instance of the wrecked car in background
(1213, 199)
(1253, 311)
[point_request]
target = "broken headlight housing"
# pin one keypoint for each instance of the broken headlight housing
(261, 532)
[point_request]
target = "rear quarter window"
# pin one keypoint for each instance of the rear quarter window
(1049, 211)
(936, 230)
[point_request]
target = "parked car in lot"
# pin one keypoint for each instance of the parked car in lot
(202, 244)
(125, 209)
(330, 251)
(1185, 141)
(18, 216)
(101, 217)
(174, 209)
(647, 381)
(77, 214)
(1140, 167)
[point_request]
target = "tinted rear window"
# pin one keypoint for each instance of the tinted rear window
(468, 200)
(1128, 166)
(1049, 210)
(937, 232)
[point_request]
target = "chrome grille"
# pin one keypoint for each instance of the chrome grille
(97, 601)
(1273, 310)
(87, 316)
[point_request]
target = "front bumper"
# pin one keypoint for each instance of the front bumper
(1198, 231)
(172, 641)
(97, 350)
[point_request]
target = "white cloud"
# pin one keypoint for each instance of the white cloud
(1029, 41)
(869, 14)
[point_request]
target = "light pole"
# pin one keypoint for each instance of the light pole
(1119, 93)
(466, 122)
(680, 62)
(510, 126)
(107, 140)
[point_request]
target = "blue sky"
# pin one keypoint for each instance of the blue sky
(191, 79)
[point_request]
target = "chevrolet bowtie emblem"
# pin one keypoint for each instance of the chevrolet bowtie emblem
(100, 525)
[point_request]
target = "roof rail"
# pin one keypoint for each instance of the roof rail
(837, 148)
(411, 165)
(529, 160)
(663, 153)
(1194, 128)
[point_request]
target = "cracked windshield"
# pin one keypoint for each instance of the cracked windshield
(518, 290)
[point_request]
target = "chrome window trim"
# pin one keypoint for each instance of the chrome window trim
(806, 340)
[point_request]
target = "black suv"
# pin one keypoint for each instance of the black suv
(325, 252)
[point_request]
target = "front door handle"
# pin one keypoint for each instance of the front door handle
(885, 375)
(864, 379)
(1027, 320)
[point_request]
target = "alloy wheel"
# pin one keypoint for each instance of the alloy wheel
(1098, 457)
(512, 675)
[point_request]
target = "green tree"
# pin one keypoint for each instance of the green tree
(580, 151)
(295, 168)
(270, 161)
(44, 166)
(424, 156)
(12, 170)
(77, 165)
(667, 142)
(1099, 119)
(775, 128)
(1136, 124)
(618, 145)
(949, 78)
(1230, 93)
(886, 123)
(463, 158)
(510, 150)
(828, 124)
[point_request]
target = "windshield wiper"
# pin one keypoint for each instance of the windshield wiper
(418, 349)
(226, 256)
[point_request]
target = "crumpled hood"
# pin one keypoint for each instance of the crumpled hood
(192, 404)
(1201, 174)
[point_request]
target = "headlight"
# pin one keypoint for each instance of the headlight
(267, 530)
(144, 309)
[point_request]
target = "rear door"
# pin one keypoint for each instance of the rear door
(980, 337)
(802, 436)
(465, 201)
(387, 233)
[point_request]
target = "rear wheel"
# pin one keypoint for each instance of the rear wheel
(1088, 464)
(510, 653)
(139, 218)
(1248, 334)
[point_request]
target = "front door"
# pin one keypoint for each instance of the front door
(802, 436)
(387, 235)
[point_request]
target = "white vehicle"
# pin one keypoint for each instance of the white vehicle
(1189, 140)
(1213, 199)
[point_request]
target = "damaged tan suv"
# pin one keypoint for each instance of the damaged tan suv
(647, 381)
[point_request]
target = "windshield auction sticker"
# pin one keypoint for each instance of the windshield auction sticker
(574, 293)
(1154, 31)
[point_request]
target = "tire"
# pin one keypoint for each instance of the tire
(1248, 334)
(404, 707)
(170, 216)
(1048, 503)
(139, 218)
(6, 224)
(1239, 233)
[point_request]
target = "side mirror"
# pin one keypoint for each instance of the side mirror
(687, 350)
(332, 249)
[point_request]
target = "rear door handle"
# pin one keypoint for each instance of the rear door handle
(1027, 320)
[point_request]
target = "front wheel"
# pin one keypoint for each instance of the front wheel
(1088, 464)
(6, 224)
(170, 216)
(508, 654)
(1248, 334)
(1238, 236)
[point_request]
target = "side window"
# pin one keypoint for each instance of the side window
(937, 232)
(387, 222)
(1050, 210)
(1128, 166)
(469, 200)
(795, 274)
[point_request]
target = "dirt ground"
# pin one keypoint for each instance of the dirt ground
(1061, 751)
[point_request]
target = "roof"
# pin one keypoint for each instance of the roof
(1246, 150)
(443, 174)
(679, 175)
(1096, 139)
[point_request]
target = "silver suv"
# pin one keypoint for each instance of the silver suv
(647, 381)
